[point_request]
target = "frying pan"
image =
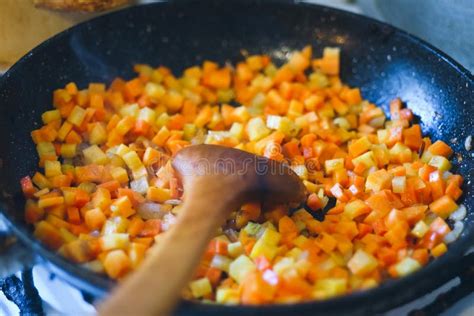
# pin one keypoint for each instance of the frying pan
(383, 61)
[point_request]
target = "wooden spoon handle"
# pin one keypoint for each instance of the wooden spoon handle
(155, 288)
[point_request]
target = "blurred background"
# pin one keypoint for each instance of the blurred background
(446, 24)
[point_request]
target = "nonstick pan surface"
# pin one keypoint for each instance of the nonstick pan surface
(383, 61)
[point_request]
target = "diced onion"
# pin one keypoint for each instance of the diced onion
(454, 234)
(152, 210)
(459, 214)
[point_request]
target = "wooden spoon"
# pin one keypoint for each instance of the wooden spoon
(216, 181)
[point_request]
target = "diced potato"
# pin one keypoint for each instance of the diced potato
(237, 130)
(130, 110)
(240, 267)
(399, 184)
(271, 237)
(95, 155)
(420, 229)
(256, 129)
(221, 262)
(148, 115)
(333, 164)
(362, 263)
(262, 248)
(52, 168)
(77, 115)
(122, 206)
(140, 185)
(378, 180)
(68, 150)
(407, 266)
(119, 174)
(50, 116)
(235, 249)
(367, 159)
(200, 287)
(114, 241)
(329, 287)
(98, 134)
(440, 162)
(355, 208)
(284, 265)
(227, 296)
(301, 171)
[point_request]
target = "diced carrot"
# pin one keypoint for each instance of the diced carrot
(440, 148)
(443, 206)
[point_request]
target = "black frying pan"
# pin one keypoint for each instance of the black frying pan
(382, 60)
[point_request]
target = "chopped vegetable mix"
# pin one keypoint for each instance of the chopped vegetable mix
(106, 191)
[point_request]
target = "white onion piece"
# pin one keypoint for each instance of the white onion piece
(454, 234)
(168, 221)
(446, 175)
(459, 214)
(173, 202)
(150, 210)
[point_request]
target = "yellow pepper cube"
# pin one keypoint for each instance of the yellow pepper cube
(77, 115)
(95, 155)
(122, 206)
(52, 168)
(158, 195)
